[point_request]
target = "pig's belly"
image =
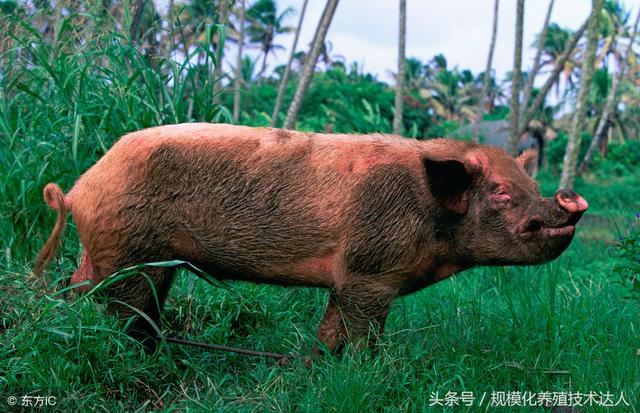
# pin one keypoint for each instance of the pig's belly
(309, 272)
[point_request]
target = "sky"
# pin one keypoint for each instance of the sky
(459, 29)
(366, 31)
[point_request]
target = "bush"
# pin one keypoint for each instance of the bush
(622, 158)
(62, 105)
(627, 267)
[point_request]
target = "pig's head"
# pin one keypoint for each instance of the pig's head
(490, 211)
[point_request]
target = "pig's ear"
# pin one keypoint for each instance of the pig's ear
(527, 161)
(450, 182)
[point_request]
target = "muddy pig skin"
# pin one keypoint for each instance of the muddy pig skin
(370, 217)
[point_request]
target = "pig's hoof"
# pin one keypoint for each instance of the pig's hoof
(307, 362)
(149, 342)
(283, 361)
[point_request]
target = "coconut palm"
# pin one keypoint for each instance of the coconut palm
(535, 68)
(558, 66)
(312, 59)
(237, 83)
(191, 18)
(608, 111)
(287, 68)
(248, 69)
(613, 25)
(573, 143)
(402, 37)
(514, 105)
(265, 23)
(487, 72)
(453, 95)
(414, 79)
(554, 46)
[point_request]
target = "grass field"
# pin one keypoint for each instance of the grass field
(560, 327)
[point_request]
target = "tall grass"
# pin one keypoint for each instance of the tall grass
(62, 105)
(564, 326)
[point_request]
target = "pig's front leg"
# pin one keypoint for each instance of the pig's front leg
(332, 331)
(357, 312)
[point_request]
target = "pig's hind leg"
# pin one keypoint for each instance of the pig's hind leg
(146, 294)
(85, 272)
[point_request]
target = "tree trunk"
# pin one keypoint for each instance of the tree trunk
(487, 72)
(514, 106)
(309, 67)
(579, 117)
(528, 87)
(402, 37)
(287, 70)
(223, 15)
(136, 16)
(237, 82)
(611, 101)
(557, 69)
(264, 64)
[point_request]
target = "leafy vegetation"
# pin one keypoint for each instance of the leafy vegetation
(71, 83)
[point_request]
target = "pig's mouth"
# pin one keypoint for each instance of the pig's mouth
(537, 228)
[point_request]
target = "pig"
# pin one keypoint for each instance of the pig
(369, 217)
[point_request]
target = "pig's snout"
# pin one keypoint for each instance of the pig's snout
(571, 203)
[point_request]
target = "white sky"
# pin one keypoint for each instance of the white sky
(366, 31)
(459, 29)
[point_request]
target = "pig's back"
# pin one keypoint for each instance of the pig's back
(243, 202)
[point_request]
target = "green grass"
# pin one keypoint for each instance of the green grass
(564, 326)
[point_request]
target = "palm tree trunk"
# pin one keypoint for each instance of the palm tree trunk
(402, 37)
(264, 64)
(579, 117)
(136, 15)
(512, 144)
(611, 99)
(551, 80)
(528, 87)
(287, 70)
(237, 82)
(307, 72)
(487, 71)
(223, 14)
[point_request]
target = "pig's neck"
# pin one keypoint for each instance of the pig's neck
(431, 269)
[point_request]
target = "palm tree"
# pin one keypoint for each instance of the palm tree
(328, 58)
(487, 70)
(414, 78)
(223, 15)
(553, 48)
(531, 77)
(265, 23)
(287, 70)
(558, 66)
(191, 19)
(494, 95)
(610, 104)
(613, 22)
(514, 116)
(237, 82)
(247, 73)
(397, 113)
(573, 144)
(452, 95)
(309, 67)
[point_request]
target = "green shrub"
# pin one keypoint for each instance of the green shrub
(627, 267)
(62, 105)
